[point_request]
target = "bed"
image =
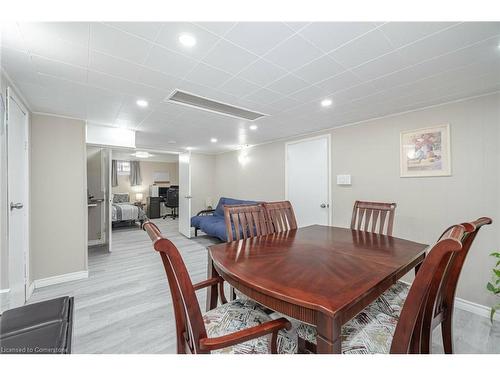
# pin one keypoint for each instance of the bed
(122, 211)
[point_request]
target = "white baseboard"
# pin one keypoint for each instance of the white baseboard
(30, 290)
(40, 283)
(475, 308)
(4, 290)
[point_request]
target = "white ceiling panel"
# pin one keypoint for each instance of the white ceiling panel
(206, 75)
(98, 71)
(331, 35)
(60, 70)
(239, 87)
(229, 57)
(147, 30)
(288, 84)
(293, 53)
(319, 69)
(262, 72)
(115, 42)
(169, 62)
(269, 35)
(362, 49)
(170, 33)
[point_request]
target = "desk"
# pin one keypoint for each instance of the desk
(320, 275)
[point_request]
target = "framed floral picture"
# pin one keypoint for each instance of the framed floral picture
(426, 152)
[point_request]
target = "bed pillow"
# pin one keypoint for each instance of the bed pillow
(120, 198)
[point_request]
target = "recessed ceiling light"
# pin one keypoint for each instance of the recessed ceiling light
(213, 140)
(326, 102)
(253, 127)
(142, 103)
(187, 40)
(142, 154)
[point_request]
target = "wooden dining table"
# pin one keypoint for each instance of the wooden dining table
(320, 275)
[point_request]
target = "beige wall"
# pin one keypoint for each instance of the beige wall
(148, 168)
(58, 196)
(202, 182)
(370, 153)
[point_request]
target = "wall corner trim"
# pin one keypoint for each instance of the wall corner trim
(40, 283)
(475, 308)
(29, 292)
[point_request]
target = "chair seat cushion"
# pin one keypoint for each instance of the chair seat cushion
(240, 314)
(369, 332)
(393, 299)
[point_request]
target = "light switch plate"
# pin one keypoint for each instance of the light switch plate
(343, 179)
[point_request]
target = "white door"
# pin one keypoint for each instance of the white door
(308, 180)
(17, 191)
(185, 194)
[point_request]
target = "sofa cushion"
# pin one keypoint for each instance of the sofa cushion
(214, 226)
(219, 210)
(196, 221)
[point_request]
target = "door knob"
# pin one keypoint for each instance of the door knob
(15, 205)
(188, 196)
(324, 205)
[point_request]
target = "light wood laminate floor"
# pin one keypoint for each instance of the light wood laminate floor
(125, 306)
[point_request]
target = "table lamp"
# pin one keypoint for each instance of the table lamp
(138, 197)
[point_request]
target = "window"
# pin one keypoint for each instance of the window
(123, 167)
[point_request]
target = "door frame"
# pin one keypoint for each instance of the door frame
(11, 95)
(189, 192)
(328, 138)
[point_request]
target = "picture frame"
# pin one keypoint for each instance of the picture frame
(425, 152)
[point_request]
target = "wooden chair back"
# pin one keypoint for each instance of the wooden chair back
(366, 216)
(281, 216)
(245, 221)
(418, 311)
(188, 318)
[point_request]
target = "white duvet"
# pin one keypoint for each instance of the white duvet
(128, 212)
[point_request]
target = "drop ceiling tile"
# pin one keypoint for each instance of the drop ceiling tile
(60, 70)
(402, 33)
(293, 53)
(262, 73)
(239, 87)
(228, 57)
(296, 26)
(169, 62)
(449, 40)
(264, 96)
(381, 66)
(362, 49)
(284, 104)
(356, 92)
(118, 43)
(169, 38)
(319, 70)
(157, 79)
(18, 65)
(64, 87)
(258, 37)
(114, 66)
(331, 35)
(219, 28)
(288, 84)
(339, 82)
(206, 75)
(10, 36)
(309, 94)
(72, 32)
(147, 30)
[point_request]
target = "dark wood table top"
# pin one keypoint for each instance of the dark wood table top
(327, 269)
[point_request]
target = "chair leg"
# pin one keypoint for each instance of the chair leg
(196, 232)
(274, 343)
(447, 333)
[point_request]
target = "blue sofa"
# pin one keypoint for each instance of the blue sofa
(212, 221)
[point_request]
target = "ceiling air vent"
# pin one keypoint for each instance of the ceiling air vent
(185, 98)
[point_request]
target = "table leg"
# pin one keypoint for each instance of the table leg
(329, 339)
(212, 293)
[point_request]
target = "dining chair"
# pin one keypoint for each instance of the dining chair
(391, 302)
(245, 221)
(281, 216)
(373, 331)
(233, 327)
(366, 216)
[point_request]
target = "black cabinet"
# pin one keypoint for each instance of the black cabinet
(154, 207)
